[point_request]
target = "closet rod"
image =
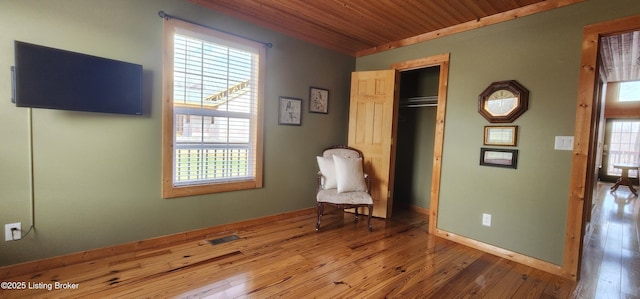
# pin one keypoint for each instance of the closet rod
(418, 105)
(166, 16)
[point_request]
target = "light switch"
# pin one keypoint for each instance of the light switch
(563, 143)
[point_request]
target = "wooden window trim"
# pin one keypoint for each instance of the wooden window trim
(168, 188)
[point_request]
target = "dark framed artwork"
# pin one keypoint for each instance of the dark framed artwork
(290, 111)
(318, 100)
(507, 158)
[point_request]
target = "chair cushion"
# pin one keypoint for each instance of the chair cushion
(349, 198)
(349, 174)
(328, 171)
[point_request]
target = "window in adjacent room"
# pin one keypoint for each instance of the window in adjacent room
(629, 91)
(624, 145)
(212, 101)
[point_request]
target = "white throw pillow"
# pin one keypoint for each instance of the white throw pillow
(349, 174)
(328, 171)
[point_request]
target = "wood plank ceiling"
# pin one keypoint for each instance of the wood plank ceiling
(620, 56)
(363, 27)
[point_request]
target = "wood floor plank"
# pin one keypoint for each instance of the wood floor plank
(422, 286)
(631, 273)
(510, 283)
(471, 275)
(414, 268)
(534, 285)
(429, 273)
(558, 288)
(327, 275)
(630, 285)
(486, 281)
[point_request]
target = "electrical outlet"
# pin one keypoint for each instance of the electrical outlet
(486, 219)
(16, 234)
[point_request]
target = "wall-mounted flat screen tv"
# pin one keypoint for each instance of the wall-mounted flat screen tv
(45, 77)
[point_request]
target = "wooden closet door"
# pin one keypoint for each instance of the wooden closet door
(372, 122)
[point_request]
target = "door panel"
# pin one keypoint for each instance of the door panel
(372, 122)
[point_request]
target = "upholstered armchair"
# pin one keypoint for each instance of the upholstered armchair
(342, 182)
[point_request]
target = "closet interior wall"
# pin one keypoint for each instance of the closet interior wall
(415, 137)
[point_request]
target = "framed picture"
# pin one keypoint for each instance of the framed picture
(318, 100)
(507, 158)
(500, 135)
(290, 111)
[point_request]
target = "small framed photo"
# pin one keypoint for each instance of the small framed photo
(507, 158)
(318, 100)
(290, 111)
(500, 135)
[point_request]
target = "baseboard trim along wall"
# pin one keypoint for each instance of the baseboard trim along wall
(507, 254)
(420, 210)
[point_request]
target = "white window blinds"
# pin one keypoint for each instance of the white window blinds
(214, 110)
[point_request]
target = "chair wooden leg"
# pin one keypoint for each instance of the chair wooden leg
(320, 211)
(369, 220)
(356, 213)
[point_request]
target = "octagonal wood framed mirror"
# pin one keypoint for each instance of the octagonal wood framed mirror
(503, 101)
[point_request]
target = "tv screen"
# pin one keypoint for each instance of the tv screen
(57, 79)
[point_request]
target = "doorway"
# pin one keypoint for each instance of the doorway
(586, 138)
(415, 138)
(442, 63)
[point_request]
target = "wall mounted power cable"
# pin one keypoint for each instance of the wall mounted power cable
(32, 196)
(16, 227)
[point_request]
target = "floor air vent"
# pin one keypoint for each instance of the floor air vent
(223, 240)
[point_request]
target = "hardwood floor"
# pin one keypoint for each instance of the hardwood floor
(611, 251)
(289, 259)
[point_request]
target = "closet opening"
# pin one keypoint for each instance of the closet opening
(415, 138)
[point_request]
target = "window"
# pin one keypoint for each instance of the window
(212, 119)
(624, 145)
(629, 91)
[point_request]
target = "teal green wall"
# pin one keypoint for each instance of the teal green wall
(97, 176)
(541, 51)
